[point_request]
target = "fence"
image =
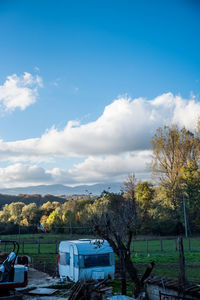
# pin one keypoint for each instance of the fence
(167, 245)
(145, 246)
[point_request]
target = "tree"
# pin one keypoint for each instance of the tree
(15, 210)
(30, 212)
(130, 184)
(47, 208)
(54, 221)
(114, 220)
(173, 149)
(5, 214)
(144, 192)
(191, 184)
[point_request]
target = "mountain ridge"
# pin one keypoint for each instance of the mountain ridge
(60, 189)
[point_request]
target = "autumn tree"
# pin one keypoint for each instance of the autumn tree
(173, 149)
(5, 214)
(47, 208)
(15, 210)
(30, 214)
(54, 221)
(144, 193)
(191, 184)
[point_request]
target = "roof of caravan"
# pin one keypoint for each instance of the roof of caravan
(86, 246)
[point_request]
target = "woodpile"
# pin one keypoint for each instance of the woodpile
(90, 290)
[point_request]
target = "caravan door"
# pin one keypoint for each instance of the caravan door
(71, 268)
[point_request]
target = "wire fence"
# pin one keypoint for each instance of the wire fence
(47, 246)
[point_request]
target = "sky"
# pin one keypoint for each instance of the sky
(85, 84)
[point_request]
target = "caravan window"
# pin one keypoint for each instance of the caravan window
(62, 259)
(98, 260)
(67, 259)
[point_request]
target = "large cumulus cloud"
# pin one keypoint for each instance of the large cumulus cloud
(116, 144)
(125, 125)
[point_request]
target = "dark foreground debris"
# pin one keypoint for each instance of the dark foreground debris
(162, 288)
(90, 290)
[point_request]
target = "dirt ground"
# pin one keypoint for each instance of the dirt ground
(39, 279)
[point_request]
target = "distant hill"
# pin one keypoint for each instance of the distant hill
(59, 189)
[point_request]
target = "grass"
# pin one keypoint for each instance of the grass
(43, 237)
(116, 285)
(166, 245)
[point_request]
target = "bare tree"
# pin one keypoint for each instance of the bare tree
(114, 219)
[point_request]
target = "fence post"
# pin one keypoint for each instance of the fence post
(147, 246)
(38, 246)
(189, 245)
(161, 245)
(23, 247)
(181, 262)
(175, 244)
(56, 247)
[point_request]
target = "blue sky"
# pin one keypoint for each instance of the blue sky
(86, 62)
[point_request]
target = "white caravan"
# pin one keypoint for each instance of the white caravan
(86, 259)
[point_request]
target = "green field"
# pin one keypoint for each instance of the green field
(164, 254)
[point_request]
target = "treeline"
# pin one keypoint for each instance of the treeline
(53, 216)
(34, 198)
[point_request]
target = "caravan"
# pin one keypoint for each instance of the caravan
(86, 259)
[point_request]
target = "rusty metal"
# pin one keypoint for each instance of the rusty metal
(189, 290)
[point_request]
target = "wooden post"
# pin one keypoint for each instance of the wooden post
(56, 246)
(181, 263)
(161, 245)
(189, 244)
(147, 246)
(185, 217)
(175, 242)
(38, 246)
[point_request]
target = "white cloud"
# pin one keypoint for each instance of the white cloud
(19, 91)
(112, 167)
(23, 175)
(126, 125)
(116, 144)
(92, 170)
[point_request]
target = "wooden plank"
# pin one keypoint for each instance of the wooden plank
(42, 291)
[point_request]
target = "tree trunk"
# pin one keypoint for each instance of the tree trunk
(123, 284)
(123, 273)
(133, 274)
